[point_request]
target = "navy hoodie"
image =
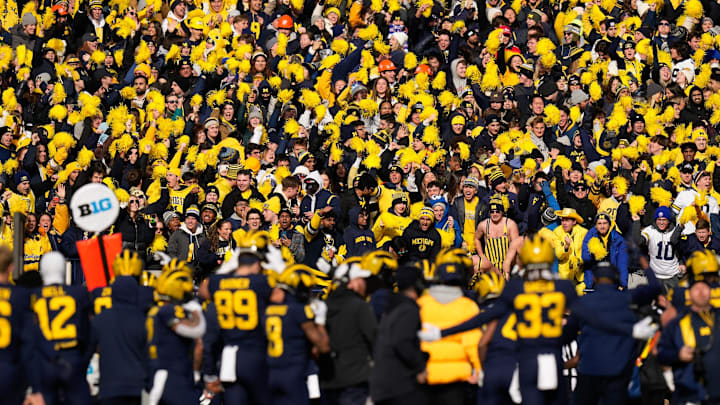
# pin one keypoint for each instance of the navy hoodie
(358, 240)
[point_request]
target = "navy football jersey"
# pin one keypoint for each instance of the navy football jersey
(13, 313)
(239, 303)
(102, 298)
(63, 315)
(538, 307)
(166, 349)
(287, 343)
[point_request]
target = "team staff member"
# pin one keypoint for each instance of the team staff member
(689, 343)
(352, 327)
(423, 239)
(606, 359)
(399, 362)
(172, 326)
(453, 361)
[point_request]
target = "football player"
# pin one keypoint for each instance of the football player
(235, 335)
(173, 326)
(294, 327)
(498, 343)
(63, 315)
(15, 344)
(539, 301)
(127, 264)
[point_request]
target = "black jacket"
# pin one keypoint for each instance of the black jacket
(352, 328)
(421, 244)
(398, 358)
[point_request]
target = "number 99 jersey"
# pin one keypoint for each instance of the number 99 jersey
(239, 303)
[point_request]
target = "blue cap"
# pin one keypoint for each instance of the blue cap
(662, 212)
(21, 176)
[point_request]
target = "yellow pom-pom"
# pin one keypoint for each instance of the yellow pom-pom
(128, 93)
(694, 8)
(661, 197)
(98, 57)
(621, 185)
(636, 203)
(84, 157)
(340, 46)
(597, 249)
(292, 127)
(369, 33)
(595, 91)
(282, 41)
(552, 114)
(285, 95)
(411, 61)
(159, 244)
(688, 214)
(440, 81)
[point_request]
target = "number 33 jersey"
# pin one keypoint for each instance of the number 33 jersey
(539, 307)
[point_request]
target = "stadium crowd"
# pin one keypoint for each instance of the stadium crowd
(333, 202)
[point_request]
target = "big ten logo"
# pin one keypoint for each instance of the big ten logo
(95, 207)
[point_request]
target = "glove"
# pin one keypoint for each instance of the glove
(320, 309)
(644, 329)
(429, 333)
(192, 306)
(274, 260)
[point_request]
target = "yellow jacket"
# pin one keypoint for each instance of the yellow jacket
(453, 358)
(22, 203)
(387, 226)
(570, 261)
(35, 247)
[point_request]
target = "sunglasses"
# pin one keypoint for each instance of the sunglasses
(580, 189)
(133, 201)
(664, 23)
(495, 212)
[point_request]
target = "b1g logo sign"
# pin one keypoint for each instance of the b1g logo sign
(94, 207)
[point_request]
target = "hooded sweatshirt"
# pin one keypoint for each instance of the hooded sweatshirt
(358, 240)
(185, 244)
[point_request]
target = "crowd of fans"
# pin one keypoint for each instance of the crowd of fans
(306, 169)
